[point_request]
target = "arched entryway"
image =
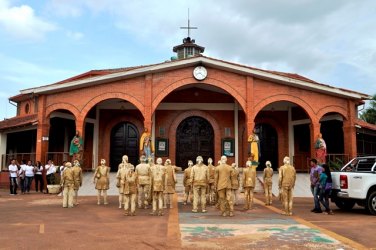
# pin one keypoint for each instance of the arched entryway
(268, 145)
(124, 141)
(194, 137)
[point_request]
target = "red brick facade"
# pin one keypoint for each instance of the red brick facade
(172, 82)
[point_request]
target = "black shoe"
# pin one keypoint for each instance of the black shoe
(318, 211)
(313, 210)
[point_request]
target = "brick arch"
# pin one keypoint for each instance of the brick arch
(294, 99)
(188, 81)
(111, 95)
(104, 150)
(174, 126)
(62, 105)
(332, 109)
(282, 137)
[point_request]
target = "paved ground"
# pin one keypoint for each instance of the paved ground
(37, 221)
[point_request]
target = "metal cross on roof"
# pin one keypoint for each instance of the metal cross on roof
(189, 28)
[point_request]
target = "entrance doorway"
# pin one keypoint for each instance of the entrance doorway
(124, 141)
(194, 137)
(268, 145)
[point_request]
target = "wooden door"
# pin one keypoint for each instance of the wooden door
(194, 137)
(124, 141)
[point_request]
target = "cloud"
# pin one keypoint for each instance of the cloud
(32, 74)
(299, 36)
(75, 35)
(22, 23)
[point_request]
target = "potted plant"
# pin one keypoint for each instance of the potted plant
(55, 187)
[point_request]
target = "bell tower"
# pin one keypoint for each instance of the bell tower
(188, 48)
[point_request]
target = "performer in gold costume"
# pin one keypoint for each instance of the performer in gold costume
(170, 183)
(187, 182)
(268, 183)
(102, 181)
(77, 176)
(287, 177)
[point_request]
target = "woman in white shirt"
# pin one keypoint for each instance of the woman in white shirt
(13, 172)
(29, 175)
(39, 177)
(50, 174)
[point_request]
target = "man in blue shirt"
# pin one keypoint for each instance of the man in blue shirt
(314, 177)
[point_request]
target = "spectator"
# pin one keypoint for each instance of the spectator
(13, 172)
(325, 188)
(50, 174)
(21, 174)
(39, 177)
(314, 176)
(62, 168)
(29, 176)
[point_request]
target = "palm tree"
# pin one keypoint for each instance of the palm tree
(369, 114)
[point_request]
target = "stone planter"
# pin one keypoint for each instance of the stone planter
(54, 189)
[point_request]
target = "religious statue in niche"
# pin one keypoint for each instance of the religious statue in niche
(76, 147)
(320, 149)
(146, 145)
(254, 145)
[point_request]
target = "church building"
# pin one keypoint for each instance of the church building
(192, 105)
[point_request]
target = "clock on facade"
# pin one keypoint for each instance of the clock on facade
(200, 73)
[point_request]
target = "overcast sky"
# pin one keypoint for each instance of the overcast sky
(42, 42)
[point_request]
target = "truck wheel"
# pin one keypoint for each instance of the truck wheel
(345, 204)
(371, 203)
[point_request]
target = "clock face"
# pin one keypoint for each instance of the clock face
(200, 72)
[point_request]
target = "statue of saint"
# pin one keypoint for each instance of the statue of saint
(320, 148)
(76, 147)
(146, 145)
(254, 142)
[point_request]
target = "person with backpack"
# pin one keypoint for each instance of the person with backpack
(325, 180)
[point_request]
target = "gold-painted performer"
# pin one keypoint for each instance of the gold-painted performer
(143, 176)
(102, 181)
(211, 192)
(268, 183)
(187, 182)
(157, 185)
(200, 179)
(123, 169)
(287, 177)
(249, 184)
(223, 174)
(77, 176)
(67, 182)
(170, 184)
(130, 192)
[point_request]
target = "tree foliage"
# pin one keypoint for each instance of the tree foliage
(369, 114)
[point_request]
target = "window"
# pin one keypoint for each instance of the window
(27, 108)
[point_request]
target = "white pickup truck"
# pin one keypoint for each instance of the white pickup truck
(356, 183)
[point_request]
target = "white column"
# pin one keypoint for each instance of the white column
(236, 132)
(291, 134)
(66, 145)
(153, 131)
(3, 149)
(95, 140)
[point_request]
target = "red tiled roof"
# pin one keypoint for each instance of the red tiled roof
(365, 124)
(95, 73)
(18, 121)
